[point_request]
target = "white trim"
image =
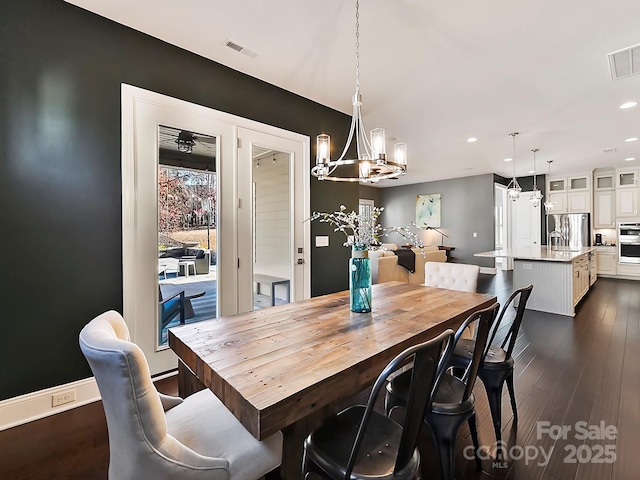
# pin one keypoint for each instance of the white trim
(488, 270)
(36, 405)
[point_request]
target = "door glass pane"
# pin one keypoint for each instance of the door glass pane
(187, 253)
(272, 251)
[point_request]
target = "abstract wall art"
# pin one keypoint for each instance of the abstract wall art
(428, 210)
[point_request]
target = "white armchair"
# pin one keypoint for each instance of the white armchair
(453, 276)
(157, 436)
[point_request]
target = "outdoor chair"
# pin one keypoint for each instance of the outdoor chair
(360, 443)
(169, 308)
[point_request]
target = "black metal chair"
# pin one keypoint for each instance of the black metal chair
(497, 367)
(361, 443)
(453, 400)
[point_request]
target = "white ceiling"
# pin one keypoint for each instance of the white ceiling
(434, 73)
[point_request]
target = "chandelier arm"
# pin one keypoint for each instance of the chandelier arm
(352, 129)
(362, 134)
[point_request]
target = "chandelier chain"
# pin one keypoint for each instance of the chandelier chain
(357, 47)
(513, 136)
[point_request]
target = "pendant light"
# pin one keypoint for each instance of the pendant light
(371, 156)
(514, 188)
(548, 205)
(536, 195)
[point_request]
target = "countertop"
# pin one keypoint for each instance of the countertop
(537, 253)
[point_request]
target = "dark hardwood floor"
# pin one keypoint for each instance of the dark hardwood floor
(568, 370)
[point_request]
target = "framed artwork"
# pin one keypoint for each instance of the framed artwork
(428, 210)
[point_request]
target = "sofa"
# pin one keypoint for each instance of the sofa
(385, 268)
(200, 256)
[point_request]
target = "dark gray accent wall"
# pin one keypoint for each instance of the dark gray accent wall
(372, 193)
(467, 207)
(60, 178)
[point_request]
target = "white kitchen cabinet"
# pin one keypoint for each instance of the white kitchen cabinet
(627, 177)
(579, 202)
(570, 194)
(579, 182)
(556, 184)
(604, 181)
(604, 206)
(607, 259)
(627, 202)
(580, 278)
(593, 268)
(559, 201)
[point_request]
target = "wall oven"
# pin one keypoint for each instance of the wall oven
(629, 243)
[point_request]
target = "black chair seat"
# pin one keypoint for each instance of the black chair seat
(447, 399)
(464, 351)
(330, 446)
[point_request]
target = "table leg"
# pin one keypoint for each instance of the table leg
(273, 294)
(188, 383)
(293, 442)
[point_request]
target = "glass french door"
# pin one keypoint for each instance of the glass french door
(197, 225)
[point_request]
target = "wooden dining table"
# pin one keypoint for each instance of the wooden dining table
(285, 368)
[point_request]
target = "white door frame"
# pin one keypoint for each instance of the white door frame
(142, 112)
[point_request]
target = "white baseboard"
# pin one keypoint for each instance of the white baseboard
(488, 270)
(35, 405)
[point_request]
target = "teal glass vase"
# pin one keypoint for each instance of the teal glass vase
(360, 280)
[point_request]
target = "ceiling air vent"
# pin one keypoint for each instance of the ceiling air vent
(239, 48)
(625, 62)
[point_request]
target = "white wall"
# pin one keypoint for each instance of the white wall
(272, 208)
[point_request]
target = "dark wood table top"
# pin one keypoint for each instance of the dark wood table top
(274, 367)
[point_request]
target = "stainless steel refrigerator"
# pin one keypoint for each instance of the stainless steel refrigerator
(574, 230)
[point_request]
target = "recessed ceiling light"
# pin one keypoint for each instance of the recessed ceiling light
(630, 159)
(632, 139)
(532, 171)
(472, 139)
(628, 104)
(508, 159)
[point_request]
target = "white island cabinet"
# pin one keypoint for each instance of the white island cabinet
(560, 278)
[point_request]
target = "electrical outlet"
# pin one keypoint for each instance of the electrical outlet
(475, 234)
(62, 398)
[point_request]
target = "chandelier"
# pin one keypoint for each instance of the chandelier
(514, 188)
(371, 158)
(548, 204)
(536, 195)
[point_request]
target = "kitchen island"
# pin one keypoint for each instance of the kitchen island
(560, 278)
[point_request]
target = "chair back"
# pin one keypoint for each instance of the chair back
(523, 295)
(483, 320)
(135, 417)
(453, 276)
(428, 360)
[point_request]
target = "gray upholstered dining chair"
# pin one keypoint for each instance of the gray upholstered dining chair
(157, 436)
